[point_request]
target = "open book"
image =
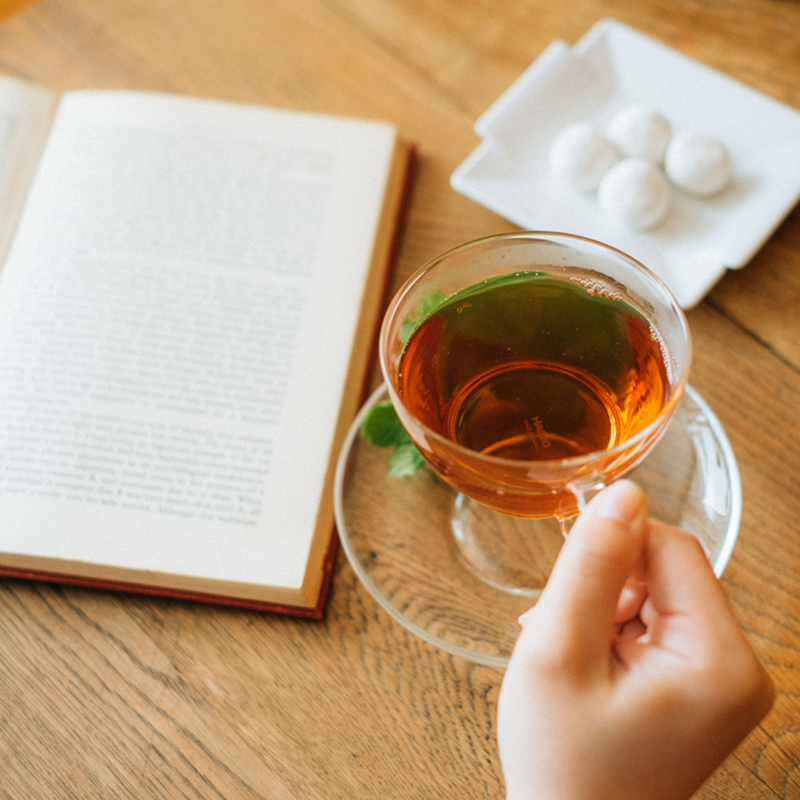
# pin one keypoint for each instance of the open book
(188, 301)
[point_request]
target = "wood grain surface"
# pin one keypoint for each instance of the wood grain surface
(113, 696)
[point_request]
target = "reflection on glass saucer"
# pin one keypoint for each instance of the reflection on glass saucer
(397, 536)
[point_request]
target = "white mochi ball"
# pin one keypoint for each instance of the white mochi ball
(636, 193)
(700, 165)
(640, 132)
(581, 155)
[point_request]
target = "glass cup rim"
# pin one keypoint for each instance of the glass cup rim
(573, 462)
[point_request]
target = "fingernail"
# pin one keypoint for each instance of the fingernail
(622, 502)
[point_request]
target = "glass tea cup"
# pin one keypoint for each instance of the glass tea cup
(530, 370)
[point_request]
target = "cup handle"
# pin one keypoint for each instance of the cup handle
(583, 491)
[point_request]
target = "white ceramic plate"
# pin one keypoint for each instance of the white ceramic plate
(610, 67)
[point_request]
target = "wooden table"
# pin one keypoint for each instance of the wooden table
(114, 696)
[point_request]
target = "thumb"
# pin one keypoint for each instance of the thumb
(599, 554)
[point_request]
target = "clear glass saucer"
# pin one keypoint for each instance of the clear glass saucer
(397, 535)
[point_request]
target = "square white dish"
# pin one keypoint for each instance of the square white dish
(610, 67)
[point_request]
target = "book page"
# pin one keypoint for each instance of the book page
(176, 319)
(25, 114)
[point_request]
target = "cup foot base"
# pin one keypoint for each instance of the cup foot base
(513, 554)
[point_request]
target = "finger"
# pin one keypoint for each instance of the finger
(687, 614)
(577, 608)
(680, 577)
(687, 611)
(631, 630)
(634, 593)
(684, 595)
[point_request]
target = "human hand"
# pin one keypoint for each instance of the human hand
(631, 678)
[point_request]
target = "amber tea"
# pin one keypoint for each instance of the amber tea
(535, 368)
(530, 367)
